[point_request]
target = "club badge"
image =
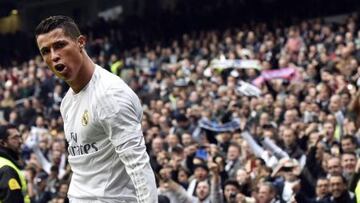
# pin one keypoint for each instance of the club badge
(85, 118)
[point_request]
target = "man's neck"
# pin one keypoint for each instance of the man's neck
(83, 76)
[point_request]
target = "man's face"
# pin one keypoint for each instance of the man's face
(62, 54)
(200, 173)
(337, 186)
(233, 153)
(228, 190)
(242, 176)
(334, 167)
(288, 137)
(347, 145)
(186, 139)
(322, 188)
(348, 163)
(202, 190)
(14, 140)
(329, 128)
(335, 103)
(265, 195)
(157, 145)
(63, 190)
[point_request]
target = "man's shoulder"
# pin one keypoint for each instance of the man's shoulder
(7, 173)
(106, 82)
(107, 77)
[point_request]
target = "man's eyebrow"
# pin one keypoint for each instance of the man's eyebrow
(56, 42)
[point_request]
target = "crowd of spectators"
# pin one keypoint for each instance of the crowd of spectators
(210, 136)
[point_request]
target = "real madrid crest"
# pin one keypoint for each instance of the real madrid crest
(85, 118)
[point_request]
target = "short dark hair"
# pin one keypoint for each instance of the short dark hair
(322, 178)
(271, 187)
(350, 137)
(348, 153)
(341, 176)
(4, 133)
(53, 22)
(233, 183)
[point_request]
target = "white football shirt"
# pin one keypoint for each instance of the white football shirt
(107, 152)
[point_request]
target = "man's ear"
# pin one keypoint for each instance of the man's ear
(81, 41)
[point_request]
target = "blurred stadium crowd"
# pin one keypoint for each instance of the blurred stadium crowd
(250, 114)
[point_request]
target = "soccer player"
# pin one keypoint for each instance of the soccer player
(102, 121)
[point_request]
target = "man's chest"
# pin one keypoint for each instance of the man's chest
(83, 130)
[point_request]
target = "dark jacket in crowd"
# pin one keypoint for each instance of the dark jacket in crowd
(7, 175)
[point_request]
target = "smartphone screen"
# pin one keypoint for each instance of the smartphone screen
(202, 153)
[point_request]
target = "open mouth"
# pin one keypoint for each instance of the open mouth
(59, 67)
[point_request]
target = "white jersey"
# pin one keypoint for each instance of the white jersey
(107, 152)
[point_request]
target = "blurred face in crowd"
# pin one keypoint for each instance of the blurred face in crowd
(155, 118)
(277, 112)
(172, 140)
(337, 186)
(43, 142)
(162, 158)
(289, 117)
(56, 157)
(291, 102)
(40, 121)
(349, 127)
(268, 100)
(264, 119)
(183, 176)
(313, 138)
(163, 123)
(347, 145)
(186, 139)
(157, 145)
(348, 163)
(268, 133)
(245, 150)
(322, 188)
(345, 99)
(324, 91)
(202, 190)
(335, 103)
(62, 54)
(233, 153)
(57, 146)
(333, 166)
(200, 173)
(329, 130)
(228, 190)
(265, 194)
(13, 141)
(288, 137)
(242, 177)
(63, 190)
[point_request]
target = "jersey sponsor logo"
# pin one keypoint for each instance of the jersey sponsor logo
(85, 118)
(75, 149)
(13, 184)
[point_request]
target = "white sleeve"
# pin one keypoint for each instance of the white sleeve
(46, 165)
(133, 155)
(33, 143)
(278, 152)
(120, 116)
(255, 147)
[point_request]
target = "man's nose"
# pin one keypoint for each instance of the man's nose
(54, 56)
